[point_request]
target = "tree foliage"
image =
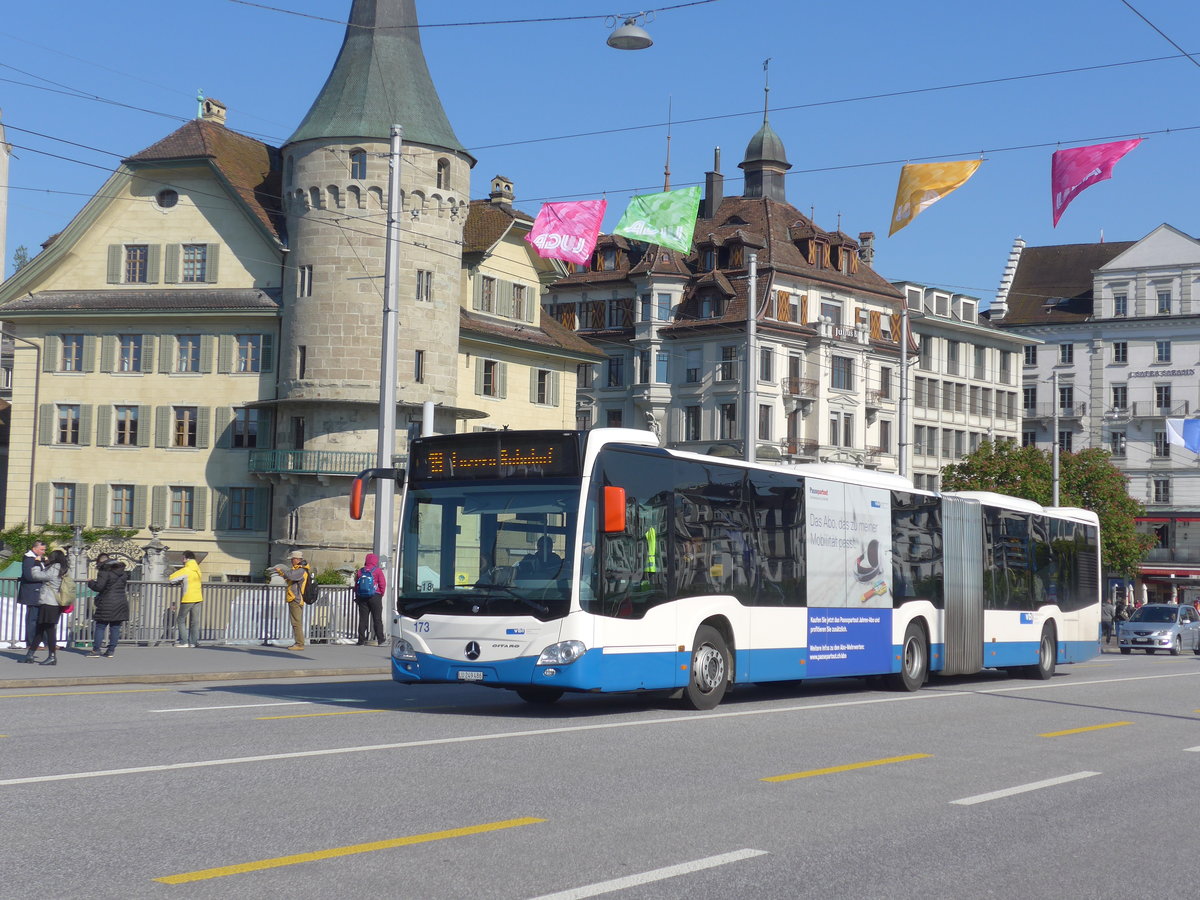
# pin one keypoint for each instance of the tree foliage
(1087, 479)
(20, 257)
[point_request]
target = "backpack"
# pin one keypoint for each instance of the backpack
(364, 585)
(67, 591)
(309, 594)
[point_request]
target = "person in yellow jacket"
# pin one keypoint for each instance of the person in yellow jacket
(297, 579)
(189, 605)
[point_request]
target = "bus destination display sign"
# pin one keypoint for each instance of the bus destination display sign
(497, 455)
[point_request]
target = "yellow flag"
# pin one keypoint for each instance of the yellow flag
(925, 184)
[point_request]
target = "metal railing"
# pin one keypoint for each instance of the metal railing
(310, 462)
(230, 613)
(799, 387)
(1047, 410)
(1148, 409)
(802, 448)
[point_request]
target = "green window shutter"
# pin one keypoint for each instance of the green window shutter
(116, 260)
(46, 424)
(81, 505)
(108, 352)
(51, 353)
(41, 503)
(166, 353)
(99, 505)
(153, 264)
(533, 303)
(89, 353)
(221, 509)
(476, 291)
(171, 268)
(206, 353)
(479, 376)
(203, 426)
(224, 420)
(143, 430)
(225, 354)
(266, 433)
(267, 360)
(139, 506)
(504, 295)
(533, 379)
(200, 508)
(554, 379)
(210, 264)
(502, 377)
(158, 506)
(162, 426)
(85, 425)
(104, 417)
(262, 508)
(147, 353)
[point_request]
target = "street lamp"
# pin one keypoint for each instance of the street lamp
(629, 35)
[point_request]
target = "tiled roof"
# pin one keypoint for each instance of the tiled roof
(486, 224)
(1060, 273)
(251, 167)
(150, 300)
(548, 333)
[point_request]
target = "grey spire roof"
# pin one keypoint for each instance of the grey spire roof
(765, 146)
(380, 79)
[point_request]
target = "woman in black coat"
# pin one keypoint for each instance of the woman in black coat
(111, 609)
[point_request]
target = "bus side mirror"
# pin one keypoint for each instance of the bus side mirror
(357, 487)
(614, 510)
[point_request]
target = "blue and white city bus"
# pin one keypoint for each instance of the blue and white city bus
(556, 561)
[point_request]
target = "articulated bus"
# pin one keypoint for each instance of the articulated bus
(548, 562)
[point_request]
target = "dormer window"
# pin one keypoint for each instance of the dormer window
(737, 256)
(606, 259)
(708, 259)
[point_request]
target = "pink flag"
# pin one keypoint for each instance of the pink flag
(568, 230)
(1075, 170)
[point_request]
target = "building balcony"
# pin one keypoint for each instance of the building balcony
(1049, 410)
(876, 399)
(1148, 409)
(804, 388)
(310, 462)
(803, 448)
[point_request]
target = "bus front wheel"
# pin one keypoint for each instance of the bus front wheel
(539, 695)
(709, 676)
(914, 660)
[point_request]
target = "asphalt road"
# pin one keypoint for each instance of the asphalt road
(1082, 786)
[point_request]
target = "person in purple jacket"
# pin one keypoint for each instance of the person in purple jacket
(369, 585)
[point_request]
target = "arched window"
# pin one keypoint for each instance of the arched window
(443, 174)
(358, 164)
(335, 199)
(354, 197)
(315, 195)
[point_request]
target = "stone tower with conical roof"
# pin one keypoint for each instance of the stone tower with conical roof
(336, 182)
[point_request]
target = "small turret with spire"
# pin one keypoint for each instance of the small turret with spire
(765, 163)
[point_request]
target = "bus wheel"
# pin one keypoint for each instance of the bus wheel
(539, 695)
(709, 677)
(1047, 656)
(914, 660)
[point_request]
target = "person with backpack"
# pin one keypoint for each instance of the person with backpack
(50, 605)
(300, 587)
(189, 604)
(29, 593)
(111, 608)
(369, 585)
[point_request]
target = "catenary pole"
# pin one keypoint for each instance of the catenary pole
(385, 488)
(750, 443)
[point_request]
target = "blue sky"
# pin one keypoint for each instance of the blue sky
(502, 84)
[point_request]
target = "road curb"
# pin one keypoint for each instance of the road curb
(183, 677)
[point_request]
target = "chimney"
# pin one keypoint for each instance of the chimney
(213, 111)
(866, 246)
(999, 307)
(714, 187)
(502, 191)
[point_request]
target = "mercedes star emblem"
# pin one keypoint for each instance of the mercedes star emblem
(472, 650)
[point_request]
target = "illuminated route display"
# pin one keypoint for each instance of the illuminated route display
(495, 455)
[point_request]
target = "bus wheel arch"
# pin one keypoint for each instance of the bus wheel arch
(914, 657)
(710, 670)
(1043, 669)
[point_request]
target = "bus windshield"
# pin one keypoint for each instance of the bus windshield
(490, 549)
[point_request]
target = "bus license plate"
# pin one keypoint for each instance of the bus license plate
(470, 676)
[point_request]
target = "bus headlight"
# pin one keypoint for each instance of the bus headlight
(402, 649)
(562, 654)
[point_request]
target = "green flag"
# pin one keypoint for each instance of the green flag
(666, 219)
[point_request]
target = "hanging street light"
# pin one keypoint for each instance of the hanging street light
(630, 35)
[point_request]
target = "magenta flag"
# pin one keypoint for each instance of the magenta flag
(1074, 171)
(568, 230)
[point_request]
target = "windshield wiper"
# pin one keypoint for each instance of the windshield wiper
(532, 604)
(410, 605)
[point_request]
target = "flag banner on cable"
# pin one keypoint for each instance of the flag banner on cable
(924, 184)
(1077, 169)
(1184, 433)
(568, 230)
(667, 219)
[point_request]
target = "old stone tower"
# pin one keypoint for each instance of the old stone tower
(335, 183)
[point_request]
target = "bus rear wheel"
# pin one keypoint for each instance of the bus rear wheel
(709, 676)
(914, 660)
(539, 695)
(1047, 656)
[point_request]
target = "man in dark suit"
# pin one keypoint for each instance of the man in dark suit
(29, 593)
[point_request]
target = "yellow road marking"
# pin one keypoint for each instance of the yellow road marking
(344, 712)
(848, 767)
(83, 693)
(280, 861)
(1082, 730)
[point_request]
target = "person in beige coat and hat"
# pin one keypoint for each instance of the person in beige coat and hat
(296, 576)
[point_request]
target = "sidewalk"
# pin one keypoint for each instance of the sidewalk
(165, 664)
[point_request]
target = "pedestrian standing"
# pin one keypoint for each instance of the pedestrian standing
(189, 604)
(29, 594)
(369, 585)
(297, 575)
(1107, 612)
(49, 605)
(111, 609)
